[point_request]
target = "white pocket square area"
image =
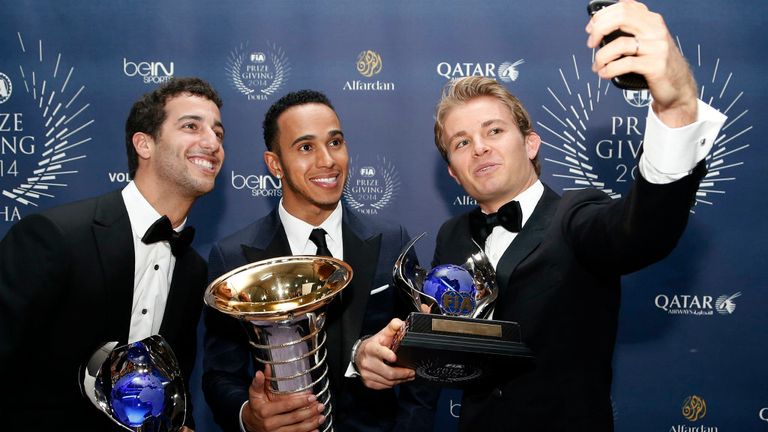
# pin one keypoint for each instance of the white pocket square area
(379, 289)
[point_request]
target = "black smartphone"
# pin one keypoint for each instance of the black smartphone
(628, 81)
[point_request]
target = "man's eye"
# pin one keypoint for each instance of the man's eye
(305, 147)
(462, 143)
(494, 131)
(336, 143)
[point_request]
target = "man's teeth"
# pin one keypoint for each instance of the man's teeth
(203, 163)
(327, 180)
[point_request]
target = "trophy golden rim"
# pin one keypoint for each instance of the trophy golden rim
(277, 310)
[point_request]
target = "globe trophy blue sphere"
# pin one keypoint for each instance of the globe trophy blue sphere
(453, 288)
(139, 385)
(138, 396)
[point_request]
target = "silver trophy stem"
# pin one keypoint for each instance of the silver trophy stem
(295, 351)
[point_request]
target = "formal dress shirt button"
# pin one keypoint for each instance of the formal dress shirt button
(144, 311)
(496, 393)
(157, 267)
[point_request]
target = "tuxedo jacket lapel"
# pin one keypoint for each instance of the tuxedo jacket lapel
(526, 241)
(113, 235)
(269, 241)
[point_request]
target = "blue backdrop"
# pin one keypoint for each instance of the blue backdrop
(692, 330)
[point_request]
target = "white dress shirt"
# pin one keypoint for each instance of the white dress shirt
(669, 154)
(153, 267)
(298, 232)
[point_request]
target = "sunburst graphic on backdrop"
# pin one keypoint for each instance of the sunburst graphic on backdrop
(64, 127)
(571, 111)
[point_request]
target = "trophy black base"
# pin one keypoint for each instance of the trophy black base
(458, 351)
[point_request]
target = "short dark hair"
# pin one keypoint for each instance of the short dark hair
(148, 113)
(301, 97)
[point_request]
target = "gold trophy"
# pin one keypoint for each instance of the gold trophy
(283, 299)
(455, 344)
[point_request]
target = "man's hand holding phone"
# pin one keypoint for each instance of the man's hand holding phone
(649, 50)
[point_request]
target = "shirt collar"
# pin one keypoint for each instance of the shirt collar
(528, 200)
(298, 231)
(140, 212)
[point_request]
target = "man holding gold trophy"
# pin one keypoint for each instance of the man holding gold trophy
(307, 150)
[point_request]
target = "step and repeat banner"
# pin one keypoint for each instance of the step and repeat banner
(691, 353)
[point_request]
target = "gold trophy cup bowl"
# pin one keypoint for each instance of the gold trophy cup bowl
(284, 301)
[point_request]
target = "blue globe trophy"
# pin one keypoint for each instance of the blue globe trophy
(139, 385)
(282, 301)
(455, 344)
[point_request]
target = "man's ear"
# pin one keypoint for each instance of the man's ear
(451, 173)
(273, 163)
(532, 145)
(143, 143)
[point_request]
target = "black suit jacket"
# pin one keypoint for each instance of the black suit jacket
(370, 248)
(560, 279)
(66, 288)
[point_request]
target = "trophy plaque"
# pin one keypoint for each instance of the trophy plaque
(283, 301)
(139, 385)
(455, 344)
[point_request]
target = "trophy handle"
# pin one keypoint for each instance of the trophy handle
(409, 276)
(484, 276)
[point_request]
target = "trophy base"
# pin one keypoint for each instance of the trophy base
(458, 351)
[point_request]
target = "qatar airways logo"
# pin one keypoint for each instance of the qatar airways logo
(697, 305)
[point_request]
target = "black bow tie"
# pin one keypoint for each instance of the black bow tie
(161, 230)
(509, 216)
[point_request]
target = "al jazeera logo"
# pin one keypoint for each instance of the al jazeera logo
(368, 64)
(597, 135)
(44, 124)
(257, 73)
(372, 185)
(694, 409)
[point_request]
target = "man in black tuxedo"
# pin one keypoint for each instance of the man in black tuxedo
(77, 276)
(559, 260)
(307, 150)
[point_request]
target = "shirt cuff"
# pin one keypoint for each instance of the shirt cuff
(672, 153)
(240, 419)
(351, 372)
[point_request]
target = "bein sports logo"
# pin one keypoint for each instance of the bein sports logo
(588, 154)
(43, 135)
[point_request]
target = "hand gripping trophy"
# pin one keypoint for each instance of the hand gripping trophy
(283, 299)
(455, 344)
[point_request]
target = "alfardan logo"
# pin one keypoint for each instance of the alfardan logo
(597, 136)
(368, 64)
(43, 130)
(694, 409)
